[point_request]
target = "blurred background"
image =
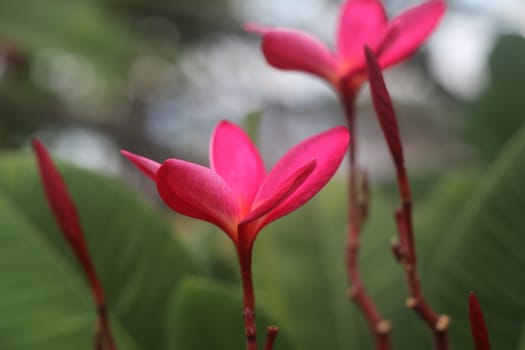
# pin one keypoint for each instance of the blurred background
(154, 76)
(91, 77)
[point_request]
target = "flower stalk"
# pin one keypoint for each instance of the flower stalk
(404, 249)
(248, 307)
(271, 334)
(357, 213)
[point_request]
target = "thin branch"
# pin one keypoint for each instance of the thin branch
(270, 337)
(357, 213)
(404, 250)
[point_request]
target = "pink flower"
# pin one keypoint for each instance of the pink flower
(236, 193)
(361, 22)
(239, 196)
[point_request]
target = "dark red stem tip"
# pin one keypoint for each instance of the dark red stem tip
(270, 337)
(384, 108)
(478, 327)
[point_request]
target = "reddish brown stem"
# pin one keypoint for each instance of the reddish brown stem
(103, 335)
(248, 312)
(407, 257)
(356, 216)
(270, 337)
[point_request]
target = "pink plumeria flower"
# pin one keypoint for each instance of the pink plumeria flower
(361, 22)
(239, 196)
(236, 193)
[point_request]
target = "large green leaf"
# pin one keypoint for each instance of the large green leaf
(497, 114)
(521, 343)
(138, 262)
(441, 207)
(78, 27)
(484, 252)
(205, 312)
(300, 272)
(44, 303)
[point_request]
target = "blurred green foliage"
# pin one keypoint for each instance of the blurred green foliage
(138, 262)
(470, 237)
(77, 27)
(52, 52)
(499, 112)
(170, 291)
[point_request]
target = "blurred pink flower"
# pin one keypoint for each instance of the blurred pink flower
(361, 22)
(236, 193)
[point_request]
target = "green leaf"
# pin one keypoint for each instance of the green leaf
(252, 123)
(440, 209)
(299, 272)
(78, 27)
(483, 252)
(521, 342)
(205, 312)
(138, 261)
(43, 302)
(497, 114)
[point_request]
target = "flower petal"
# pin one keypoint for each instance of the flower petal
(147, 166)
(235, 158)
(328, 149)
(362, 22)
(196, 191)
(256, 28)
(478, 327)
(275, 190)
(291, 49)
(412, 27)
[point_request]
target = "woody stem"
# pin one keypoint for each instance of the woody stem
(103, 336)
(270, 337)
(406, 254)
(356, 216)
(248, 312)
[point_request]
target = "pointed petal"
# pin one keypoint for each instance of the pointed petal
(362, 22)
(256, 28)
(412, 28)
(147, 166)
(291, 49)
(328, 149)
(196, 191)
(480, 335)
(384, 109)
(275, 190)
(235, 158)
(58, 197)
